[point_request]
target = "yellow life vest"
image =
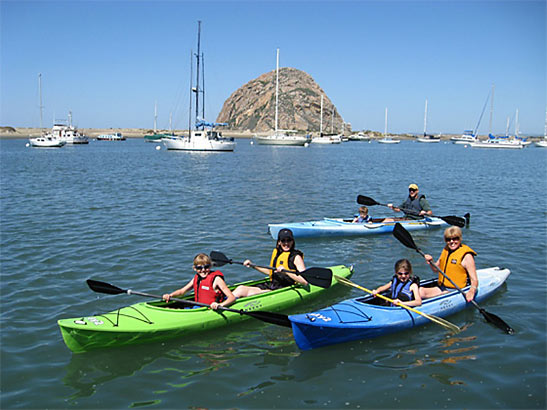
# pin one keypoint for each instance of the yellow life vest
(451, 264)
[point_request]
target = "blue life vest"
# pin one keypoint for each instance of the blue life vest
(401, 290)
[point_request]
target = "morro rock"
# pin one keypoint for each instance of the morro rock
(252, 106)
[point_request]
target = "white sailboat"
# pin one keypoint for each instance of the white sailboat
(543, 143)
(325, 139)
(203, 137)
(47, 139)
(386, 139)
(427, 138)
(280, 137)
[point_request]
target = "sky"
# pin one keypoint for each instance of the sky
(111, 62)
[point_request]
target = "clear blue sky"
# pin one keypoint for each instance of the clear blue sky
(110, 61)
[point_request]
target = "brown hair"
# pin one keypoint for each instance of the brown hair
(403, 263)
(452, 231)
(202, 259)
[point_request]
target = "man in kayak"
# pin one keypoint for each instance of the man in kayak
(209, 287)
(415, 206)
(457, 261)
(405, 287)
(284, 257)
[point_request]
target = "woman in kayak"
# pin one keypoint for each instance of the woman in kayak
(284, 256)
(457, 261)
(405, 287)
(209, 287)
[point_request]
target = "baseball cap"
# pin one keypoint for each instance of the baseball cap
(413, 186)
(284, 234)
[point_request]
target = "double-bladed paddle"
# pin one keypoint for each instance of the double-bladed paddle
(321, 277)
(406, 239)
(269, 317)
(440, 321)
(451, 220)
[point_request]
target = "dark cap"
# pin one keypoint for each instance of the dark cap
(284, 234)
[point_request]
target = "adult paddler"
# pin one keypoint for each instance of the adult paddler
(415, 206)
(284, 256)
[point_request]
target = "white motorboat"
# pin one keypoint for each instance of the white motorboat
(542, 144)
(69, 133)
(360, 136)
(281, 137)
(47, 140)
(116, 136)
(498, 142)
(466, 138)
(327, 139)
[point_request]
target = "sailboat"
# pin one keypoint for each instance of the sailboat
(280, 137)
(386, 139)
(325, 139)
(543, 143)
(204, 137)
(427, 138)
(47, 139)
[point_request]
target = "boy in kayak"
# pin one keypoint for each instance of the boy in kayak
(457, 261)
(284, 256)
(209, 287)
(415, 206)
(405, 287)
(363, 216)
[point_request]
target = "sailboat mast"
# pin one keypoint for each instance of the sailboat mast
(276, 89)
(40, 98)
(425, 119)
(197, 71)
(491, 110)
(155, 116)
(202, 87)
(191, 89)
(321, 122)
(385, 125)
(517, 123)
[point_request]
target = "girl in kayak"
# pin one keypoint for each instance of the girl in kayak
(284, 256)
(457, 261)
(209, 287)
(404, 286)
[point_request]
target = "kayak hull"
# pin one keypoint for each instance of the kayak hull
(146, 322)
(354, 319)
(335, 227)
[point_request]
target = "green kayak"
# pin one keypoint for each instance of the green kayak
(158, 321)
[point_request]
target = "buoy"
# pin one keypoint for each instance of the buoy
(306, 144)
(27, 145)
(158, 147)
(252, 142)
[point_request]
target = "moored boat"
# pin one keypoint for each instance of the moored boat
(467, 137)
(158, 321)
(332, 227)
(367, 317)
(498, 142)
(117, 136)
(47, 140)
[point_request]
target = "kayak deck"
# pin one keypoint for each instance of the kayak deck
(157, 320)
(367, 317)
(334, 227)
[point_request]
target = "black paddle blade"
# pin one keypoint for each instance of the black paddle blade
(219, 259)
(270, 317)
(467, 217)
(454, 220)
(365, 200)
(497, 321)
(403, 236)
(103, 287)
(321, 277)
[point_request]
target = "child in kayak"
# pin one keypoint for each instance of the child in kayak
(284, 256)
(404, 286)
(363, 216)
(209, 287)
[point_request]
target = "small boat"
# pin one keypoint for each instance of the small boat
(367, 317)
(466, 138)
(360, 136)
(427, 138)
(47, 140)
(387, 139)
(333, 227)
(542, 143)
(158, 321)
(327, 139)
(498, 142)
(117, 136)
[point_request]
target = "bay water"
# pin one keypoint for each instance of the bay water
(134, 216)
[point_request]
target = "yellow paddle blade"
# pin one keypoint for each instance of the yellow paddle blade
(440, 321)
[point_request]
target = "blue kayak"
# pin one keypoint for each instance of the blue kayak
(331, 227)
(367, 317)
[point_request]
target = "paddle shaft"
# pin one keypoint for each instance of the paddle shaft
(435, 319)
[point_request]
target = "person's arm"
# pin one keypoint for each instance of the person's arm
(382, 288)
(247, 263)
(426, 209)
(179, 292)
(429, 259)
(468, 263)
(394, 208)
(300, 266)
(221, 285)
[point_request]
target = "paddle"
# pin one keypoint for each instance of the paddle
(406, 239)
(451, 220)
(269, 317)
(433, 318)
(321, 277)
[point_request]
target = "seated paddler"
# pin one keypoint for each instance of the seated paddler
(285, 257)
(404, 286)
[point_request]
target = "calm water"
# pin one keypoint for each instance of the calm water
(133, 216)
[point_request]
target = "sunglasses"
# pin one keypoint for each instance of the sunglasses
(202, 267)
(285, 240)
(412, 190)
(454, 238)
(403, 273)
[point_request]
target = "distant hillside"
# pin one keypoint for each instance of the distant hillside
(252, 106)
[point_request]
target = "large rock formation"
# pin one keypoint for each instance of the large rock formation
(252, 106)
